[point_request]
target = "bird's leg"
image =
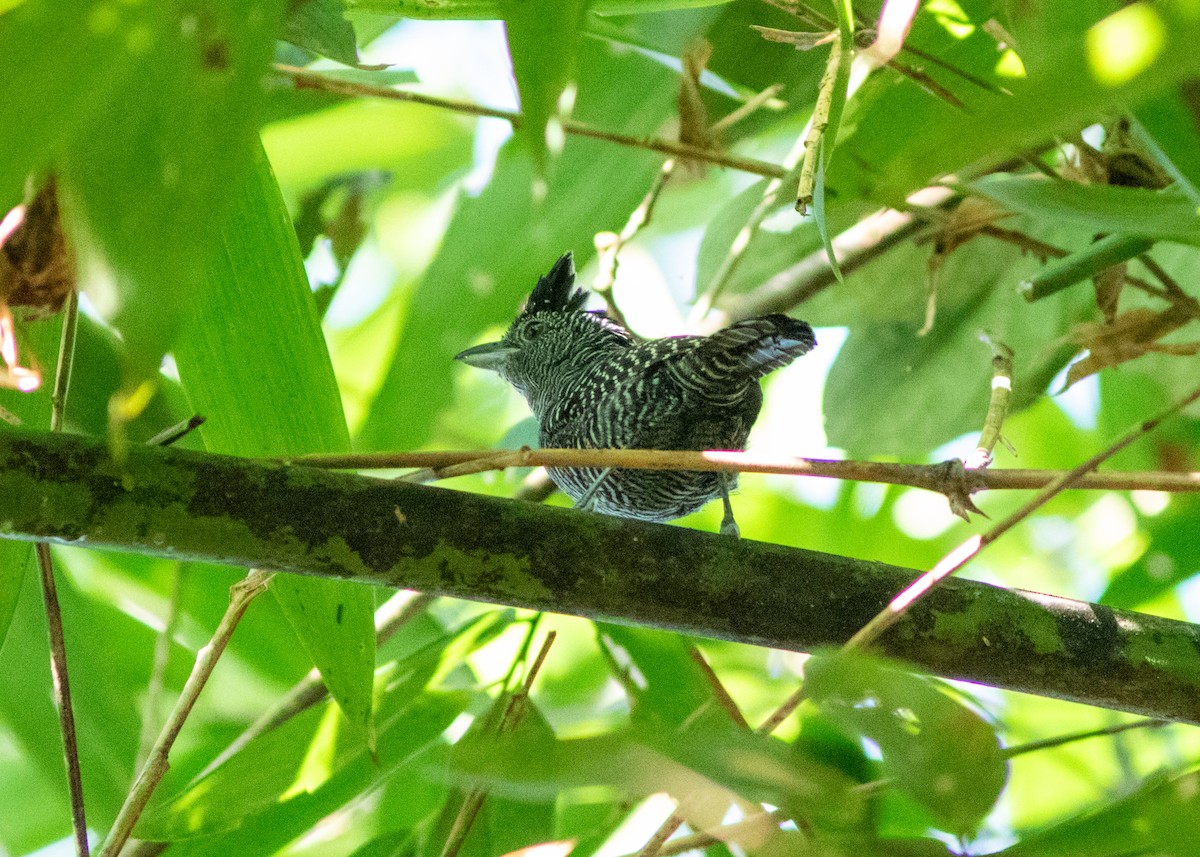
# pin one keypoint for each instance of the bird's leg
(588, 499)
(729, 526)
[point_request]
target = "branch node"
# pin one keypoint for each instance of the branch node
(954, 480)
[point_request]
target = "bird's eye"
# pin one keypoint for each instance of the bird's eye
(533, 329)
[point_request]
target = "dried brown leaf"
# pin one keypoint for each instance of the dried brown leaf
(803, 41)
(37, 269)
(1108, 284)
(965, 221)
(693, 114)
(1128, 336)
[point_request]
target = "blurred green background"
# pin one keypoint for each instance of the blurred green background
(300, 265)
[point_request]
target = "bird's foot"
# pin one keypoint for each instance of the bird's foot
(729, 526)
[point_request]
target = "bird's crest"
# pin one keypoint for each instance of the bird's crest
(553, 291)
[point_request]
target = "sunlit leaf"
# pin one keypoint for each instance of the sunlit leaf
(957, 778)
(276, 395)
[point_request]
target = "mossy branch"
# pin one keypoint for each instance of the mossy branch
(184, 504)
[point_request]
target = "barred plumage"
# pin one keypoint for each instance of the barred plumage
(591, 385)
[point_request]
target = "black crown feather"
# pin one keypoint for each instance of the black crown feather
(553, 291)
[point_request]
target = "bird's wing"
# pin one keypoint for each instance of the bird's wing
(727, 360)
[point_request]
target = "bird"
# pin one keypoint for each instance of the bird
(592, 385)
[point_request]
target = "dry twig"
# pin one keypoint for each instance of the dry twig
(964, 553)
(306, 79)
(157, 764)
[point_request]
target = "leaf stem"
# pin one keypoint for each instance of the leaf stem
(62, 696)
(58, 645)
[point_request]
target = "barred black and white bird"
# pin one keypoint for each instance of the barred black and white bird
(592, 385)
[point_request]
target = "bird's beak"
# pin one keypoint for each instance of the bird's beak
(490, 355)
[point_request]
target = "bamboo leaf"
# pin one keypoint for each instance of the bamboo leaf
(276, 395)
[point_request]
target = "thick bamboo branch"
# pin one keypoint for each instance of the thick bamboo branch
(170, 502)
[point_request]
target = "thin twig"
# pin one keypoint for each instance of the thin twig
(1060, 740)
(162, 645)
(610, 244)
(62, 696)
(66, 358)
(240, 595)
(815, 133)
(158, 670)
(782, 712)
(965, 552)
(666, 830)
(174, 433)
(932, 477)
(312, 80)
(766, 822)
(485, 461)
(718, 689)
(58, 645)
(746, 108)
(620, 672)
(514, 709)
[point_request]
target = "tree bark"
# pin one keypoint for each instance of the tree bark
(190, 505)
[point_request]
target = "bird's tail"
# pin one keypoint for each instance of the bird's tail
(754, 347)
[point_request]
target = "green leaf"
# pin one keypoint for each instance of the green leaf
(819, 214)
(276, 395)
(46, 102)
(491, 10)
(892, 392)
(1163, 214)
(934, 748)
(543, 41)
(321, 27)
(1161, 817)
(266, 821)
(265, 771)
(709, 766)
(1166, 127)
(148, 183)
(15, 557)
